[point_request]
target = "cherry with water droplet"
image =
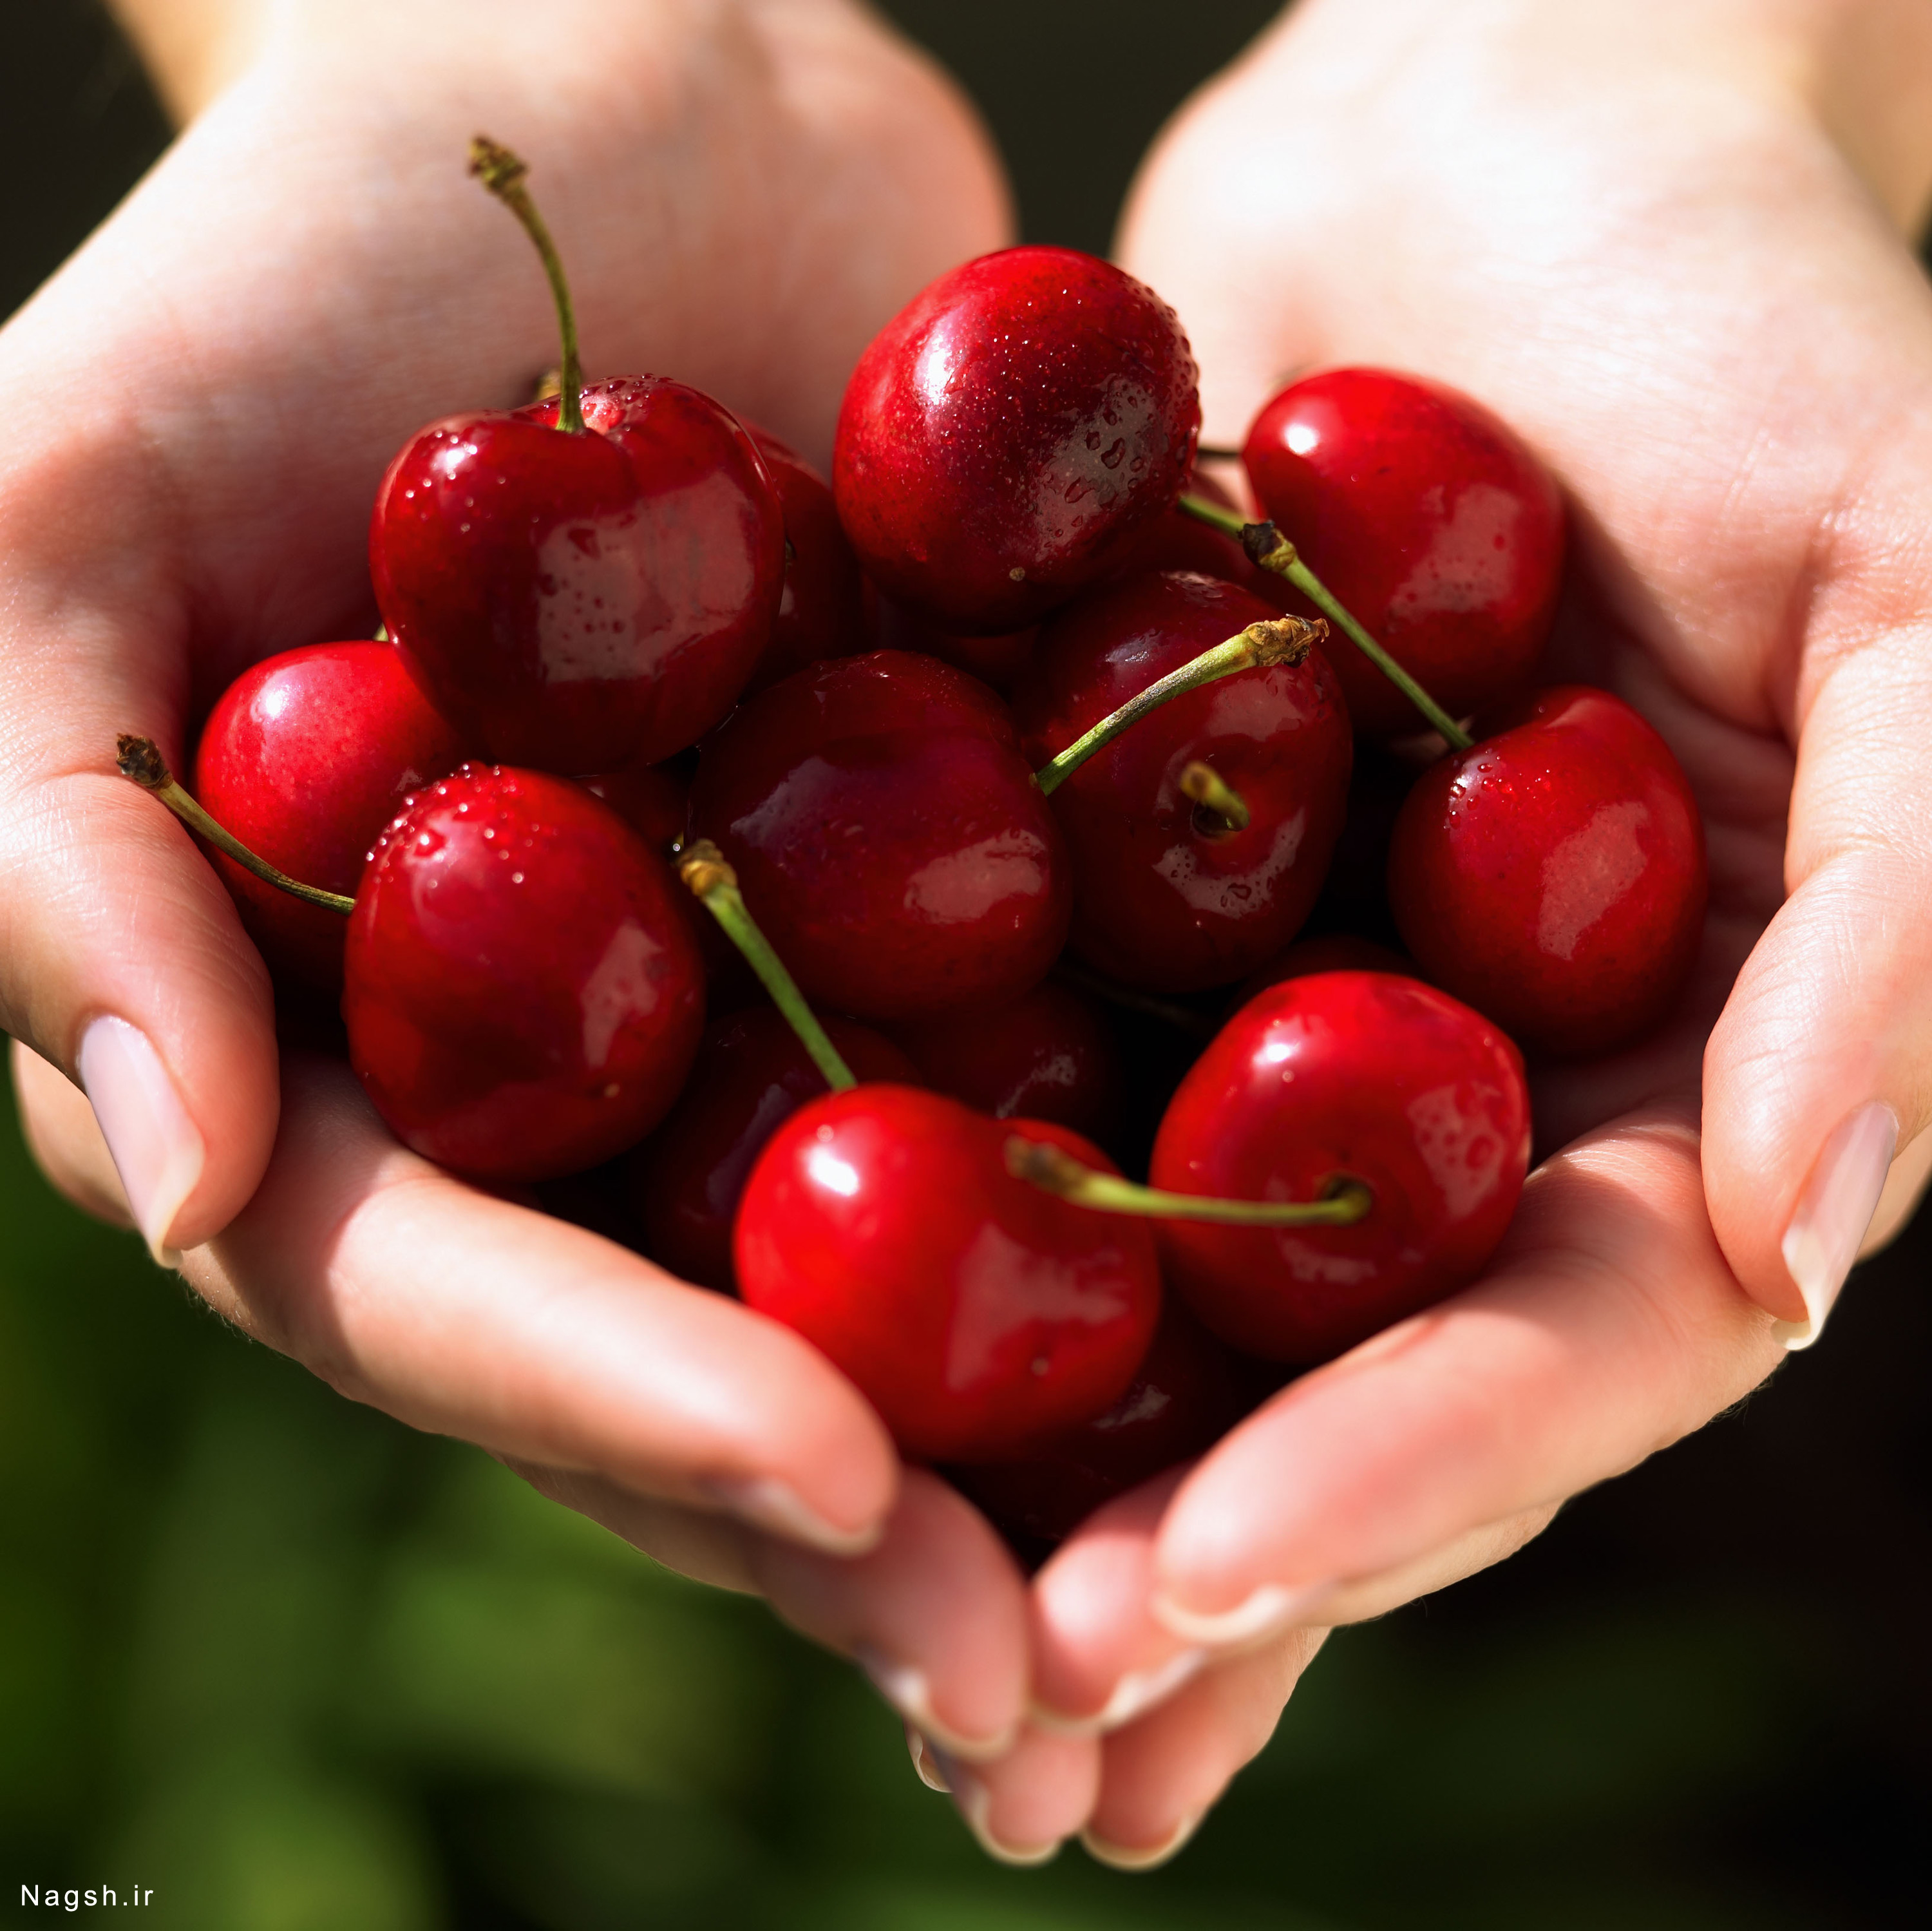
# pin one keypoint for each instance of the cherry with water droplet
(889, 836)
(1015, 421)
(1554, 874)
(1172, 894)
(523, 994)
(1346, 1076)
(1432, 522)
(975, 1312)
(304, 757)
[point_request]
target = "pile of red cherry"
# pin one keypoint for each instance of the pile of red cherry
(668, 643)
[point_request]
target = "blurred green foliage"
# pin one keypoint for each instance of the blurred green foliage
(295, 1668)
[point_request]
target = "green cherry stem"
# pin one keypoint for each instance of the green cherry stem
(503, 173)
(1056, 1172)
(1267, 546)
(1281, 640)
(140, 759)
(1212, 792)
(709, 877)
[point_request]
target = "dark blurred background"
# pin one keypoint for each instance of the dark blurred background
(297, 1669)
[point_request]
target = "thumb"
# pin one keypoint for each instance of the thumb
(121, 959)
(1818, 1077)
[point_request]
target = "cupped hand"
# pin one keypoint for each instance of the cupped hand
(199, 407)
(1667, 242)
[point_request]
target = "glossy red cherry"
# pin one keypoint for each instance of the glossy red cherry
(1046, 1055)
(305, 757)
(974, 1311)
(1189, 1392)
(524, 996)
(819, 613)
(1433, 523)
(1381, 1080)
(1006, 428)
(751, 1076)
(1176, 541)
(1167, 895)
(888, 837)
(1553, 875)
(581, 602)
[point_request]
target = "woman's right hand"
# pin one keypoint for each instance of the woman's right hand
(200, 405)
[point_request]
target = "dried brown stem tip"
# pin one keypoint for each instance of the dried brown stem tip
(495, 166)
(140, 758)
(1284, 640)
(703, 868)
(1267, 546)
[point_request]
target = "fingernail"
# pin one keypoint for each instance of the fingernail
(768, 1503)
(1270, 1609)
(974, 1802)
(1833, 1213)
(925, 1761)
(1124, 1857)
(907, 1688)
(157, 1150)
(1134, 1695)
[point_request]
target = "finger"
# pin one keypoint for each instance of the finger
(708, 1547)
(122, 963)
(1818, 1075)
(1100, 1660)
(1161, 1776)
(1609, 1326)
(1025, 1806)
(935, 1615)
(471, 1316)
(65, 1137)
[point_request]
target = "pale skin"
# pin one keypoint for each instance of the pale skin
(1665, 240)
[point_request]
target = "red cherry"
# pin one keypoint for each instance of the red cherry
(974, 1311)
(751, 1076)
(1189, 1392)
(1047, 1055)
(1006, 428)
(819, 613)
(1357, 1074)
(888, 837)
(1432, 522)
(305, 757)
(523, 996)
(1553, 875)
(1167, 896)
(581, 602)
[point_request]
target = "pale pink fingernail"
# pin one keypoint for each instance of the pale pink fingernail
(925, 1761)
(1141, 1857)
(157, 1150)
(909, 1690)
(1269, 1609)
(1134, 1695)
(974, 1802)
(1833, 1213)
(768, 1503)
